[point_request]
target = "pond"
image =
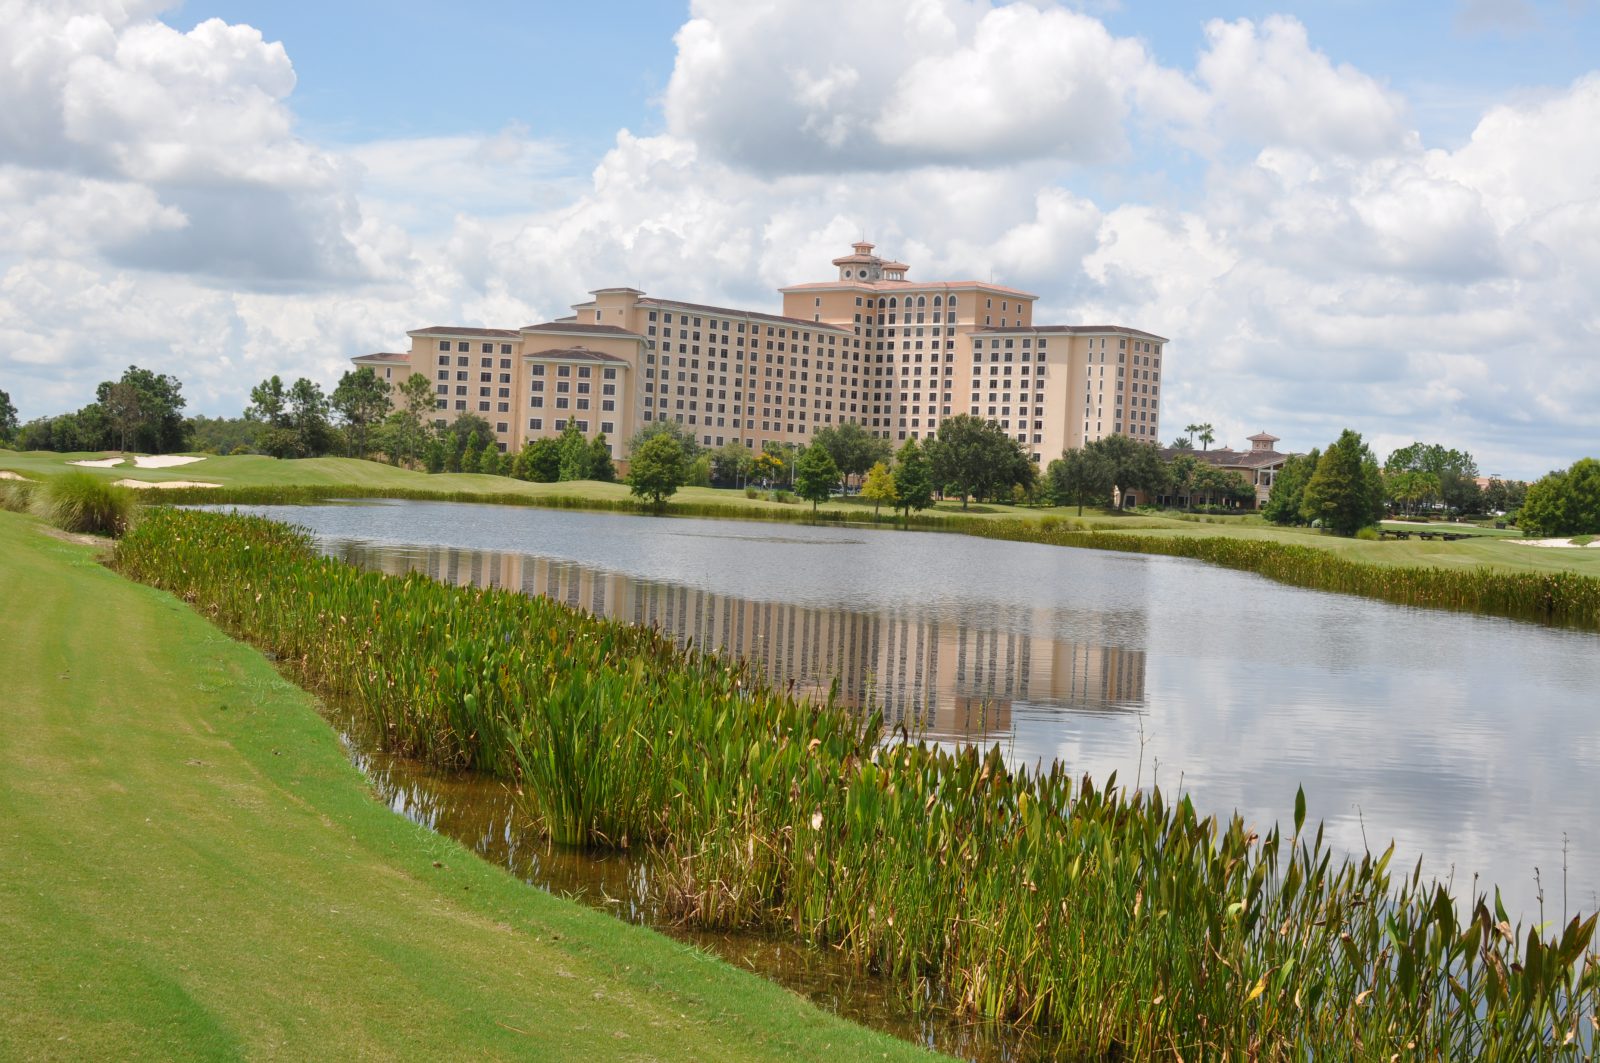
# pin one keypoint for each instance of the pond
(1472, 742)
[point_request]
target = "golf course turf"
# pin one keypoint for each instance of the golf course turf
(190, 868)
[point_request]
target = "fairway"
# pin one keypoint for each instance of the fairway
(192, 870)
(1486, 549)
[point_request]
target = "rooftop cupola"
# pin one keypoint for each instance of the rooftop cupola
(862, 265)
(1263, 441)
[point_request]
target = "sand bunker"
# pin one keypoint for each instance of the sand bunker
(7, 474)
(142, 484)
(98, 463)
(164, 461)
(1557, 544)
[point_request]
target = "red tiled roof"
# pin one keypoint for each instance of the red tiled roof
(673, 304)
(462, 330)
(1229, 459)
(573, 326)
(1120, 330)
(381, 356)
(582, 354)
(900, 286)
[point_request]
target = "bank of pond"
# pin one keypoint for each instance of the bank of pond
(1118, 920)
(1564, 599)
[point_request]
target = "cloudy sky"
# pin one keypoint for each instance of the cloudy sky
(1341, 214)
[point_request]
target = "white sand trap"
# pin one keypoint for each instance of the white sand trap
(164, 461)
(142, 484)
(1556, 544)
(99, 463)
(7, 474)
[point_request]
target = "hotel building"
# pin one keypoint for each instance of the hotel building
(897, 356)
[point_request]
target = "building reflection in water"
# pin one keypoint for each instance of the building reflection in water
(941, 675)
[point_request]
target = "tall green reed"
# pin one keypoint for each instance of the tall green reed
(1121, 920)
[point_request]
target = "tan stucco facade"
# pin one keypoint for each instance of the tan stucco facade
(897, 356)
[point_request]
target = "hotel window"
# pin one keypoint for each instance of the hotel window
(444, 345)
(488, 348)
(463, 347)
(535, 424)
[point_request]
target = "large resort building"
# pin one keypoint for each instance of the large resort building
(895, 355)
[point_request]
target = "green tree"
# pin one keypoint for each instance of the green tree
(601, 467)
(815, 475)
(1081, 477)
(406, 434)
(686, 440)
(539, 461)
(1134, 466)
(1504, 496)
(8, 418)
(1287, 499)
(269, 404)
(574, 453)
(1206, 434)
(223, 435)
(1455, 472)
(853, 449)
(488, 462)
(309, 418)
(730, 463)
(435, 455)
(878, 487)
(913, 479)
(1181, 477)
(1345, 492)
(1183, 443)
(768, 468)
(657, 469)
(159, 425)
(120, 401)
(362, 402)
(977, 458)
(1220, 486)
(464, 441)
(1564, 503)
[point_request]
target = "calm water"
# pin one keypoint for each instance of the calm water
(1470, 741)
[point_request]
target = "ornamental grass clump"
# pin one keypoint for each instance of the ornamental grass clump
(16, 496)
(1119, 922)
(79, 502)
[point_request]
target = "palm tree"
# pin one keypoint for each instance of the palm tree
(1206, 435)
(1189, 430)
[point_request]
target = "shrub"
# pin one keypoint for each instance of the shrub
(1368, 534)
(79, 502)
(782, 497)
(751, 492)
(17, 495)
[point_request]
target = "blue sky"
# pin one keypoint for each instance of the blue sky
(1348, 213)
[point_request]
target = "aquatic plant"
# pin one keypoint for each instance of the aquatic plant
(1120, 921)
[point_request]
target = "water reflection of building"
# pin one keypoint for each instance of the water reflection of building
(943, 676)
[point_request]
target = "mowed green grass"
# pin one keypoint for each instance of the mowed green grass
(1487, 548)
(190, 869)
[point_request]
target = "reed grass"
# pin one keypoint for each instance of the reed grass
(79, 502)
(16, 496)
(1562, 598)
(1122, 922)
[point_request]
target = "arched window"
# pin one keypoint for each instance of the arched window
(880, 302)
(952, 302)
(922, 300)
(893, 302)
(936, 300)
